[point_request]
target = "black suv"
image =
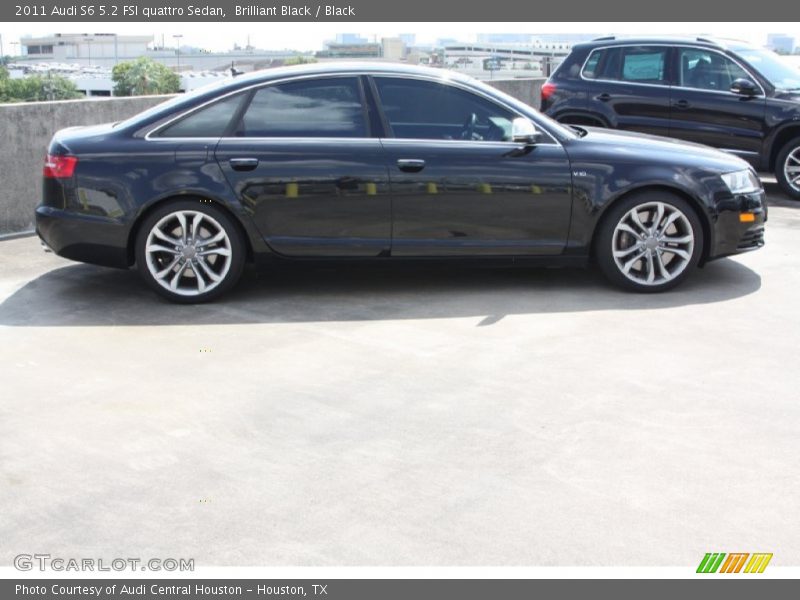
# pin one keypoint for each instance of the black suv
(730, 95)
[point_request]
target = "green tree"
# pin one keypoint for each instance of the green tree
(36, 88)
(144, 77)
(299, 60)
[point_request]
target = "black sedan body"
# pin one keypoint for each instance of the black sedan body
(383, 162)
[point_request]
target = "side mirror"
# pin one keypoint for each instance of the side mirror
(744, 87)
(524, 131)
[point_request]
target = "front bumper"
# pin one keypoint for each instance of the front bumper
(739, 226)
(84, 238)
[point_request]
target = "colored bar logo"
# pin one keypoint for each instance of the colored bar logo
(714, 562)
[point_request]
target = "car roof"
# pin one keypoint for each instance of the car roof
(243, 81)
(344, 66)
(710, 42)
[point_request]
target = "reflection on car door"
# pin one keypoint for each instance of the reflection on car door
(459, 186)
(302, 161)
(704, 110)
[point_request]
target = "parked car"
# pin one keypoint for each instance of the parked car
(385, 163)
(730, 95)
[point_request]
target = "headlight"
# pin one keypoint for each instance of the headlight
(742, 182)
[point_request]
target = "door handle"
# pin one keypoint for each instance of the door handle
(603, 97)
(682, 104)
(411, 165)
(243, 164)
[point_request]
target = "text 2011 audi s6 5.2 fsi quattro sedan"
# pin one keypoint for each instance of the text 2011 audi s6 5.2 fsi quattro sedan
(384, 162)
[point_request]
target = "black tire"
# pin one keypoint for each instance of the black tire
(219, 271)
(661, 256)
(792, 148)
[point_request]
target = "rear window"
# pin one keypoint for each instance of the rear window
(210, 121)
(635, 64)
(602, 64)
(644, 65)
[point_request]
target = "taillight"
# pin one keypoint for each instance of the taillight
(59, 167)
(548, 89)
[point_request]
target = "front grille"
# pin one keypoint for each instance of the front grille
(753, 238)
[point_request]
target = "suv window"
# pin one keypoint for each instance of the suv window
(438, 111)
(211, 121)
(590, 68)
(329, 107)
(644, 64)
(636, 64)
(707, 70)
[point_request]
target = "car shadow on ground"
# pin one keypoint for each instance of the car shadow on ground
(85, 295)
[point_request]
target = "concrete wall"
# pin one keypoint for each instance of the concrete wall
(527, 90)
(26, 129)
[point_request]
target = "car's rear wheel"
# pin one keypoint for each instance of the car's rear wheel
(189, 251)
(787, 168)
(649, 242)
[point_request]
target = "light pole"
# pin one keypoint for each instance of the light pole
(178, 50)
(89, 48)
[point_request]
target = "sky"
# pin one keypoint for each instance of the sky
(220, 37)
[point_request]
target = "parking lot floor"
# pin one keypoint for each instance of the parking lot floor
(435, 415)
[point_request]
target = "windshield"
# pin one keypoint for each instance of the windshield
(777, 71)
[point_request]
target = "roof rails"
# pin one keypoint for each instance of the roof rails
(704, 40)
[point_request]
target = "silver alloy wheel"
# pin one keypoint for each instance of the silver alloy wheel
(653, 243)
(188, 253)
(791, 169)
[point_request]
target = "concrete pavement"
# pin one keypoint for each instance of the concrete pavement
(425, 416)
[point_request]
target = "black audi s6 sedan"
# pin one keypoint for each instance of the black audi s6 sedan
(384, 162)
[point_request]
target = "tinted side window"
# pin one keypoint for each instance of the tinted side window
(603, 64)
(437, 111)
(590, 68)
(707, 70)
(314, 108)
(643, 64)
(211, 121)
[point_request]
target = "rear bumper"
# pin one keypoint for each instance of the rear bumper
(84, 238)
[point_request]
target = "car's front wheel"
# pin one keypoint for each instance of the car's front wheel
(189, 251)
(787, 168)
(649, 242)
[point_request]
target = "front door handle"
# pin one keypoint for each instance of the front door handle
(411, 165)
(682, 104)
(243, 164)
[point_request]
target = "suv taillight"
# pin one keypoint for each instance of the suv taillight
(547, 90)
(59, 167)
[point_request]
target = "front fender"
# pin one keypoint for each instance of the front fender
(597, 186)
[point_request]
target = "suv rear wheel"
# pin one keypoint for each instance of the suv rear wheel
(787, 168)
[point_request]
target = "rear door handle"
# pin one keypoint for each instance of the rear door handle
(682, 104)
(243, 164)
(410, 165)
(603, 97)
